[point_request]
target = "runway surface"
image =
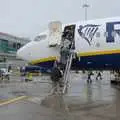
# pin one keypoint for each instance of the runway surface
(33, 101)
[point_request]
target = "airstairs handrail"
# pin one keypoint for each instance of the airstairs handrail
(67, 71)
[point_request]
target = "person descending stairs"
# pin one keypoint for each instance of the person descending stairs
(67, 47)
(66, 54)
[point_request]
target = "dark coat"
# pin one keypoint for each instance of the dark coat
(56, 74)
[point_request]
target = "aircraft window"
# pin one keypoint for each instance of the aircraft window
(41, 37)
(91, 35)
(98, 34)
(113, 34)
(105, 34)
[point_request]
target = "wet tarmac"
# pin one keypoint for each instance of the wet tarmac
(97, 101)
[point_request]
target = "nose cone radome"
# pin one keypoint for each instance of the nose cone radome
(25, 52)
(20, 53)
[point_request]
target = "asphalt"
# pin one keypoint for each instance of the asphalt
(33, 100)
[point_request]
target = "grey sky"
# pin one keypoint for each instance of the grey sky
(27, 18)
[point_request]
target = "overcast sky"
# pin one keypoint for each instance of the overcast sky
(27, 18)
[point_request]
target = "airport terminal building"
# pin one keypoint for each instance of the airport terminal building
(9, 45)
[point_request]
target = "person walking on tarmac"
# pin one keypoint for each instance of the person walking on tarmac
(99, 76)
(89, 80)
(56, 77)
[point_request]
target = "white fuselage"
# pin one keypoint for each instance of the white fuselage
(92, 38)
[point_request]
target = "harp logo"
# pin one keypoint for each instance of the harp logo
(88, 31)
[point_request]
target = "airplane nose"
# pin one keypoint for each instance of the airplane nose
(20, 53)
(25, 52)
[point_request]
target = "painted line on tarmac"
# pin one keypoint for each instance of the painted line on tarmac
(13, 100)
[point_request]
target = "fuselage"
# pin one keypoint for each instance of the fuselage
(97, 45)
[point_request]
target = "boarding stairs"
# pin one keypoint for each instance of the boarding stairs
(55, 41)
(66, 75)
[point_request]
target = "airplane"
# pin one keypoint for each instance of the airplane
(96, 44)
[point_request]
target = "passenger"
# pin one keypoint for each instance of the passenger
(65, 49)
(89, 80)
(64, 53)
(99, 76)
(56, 76)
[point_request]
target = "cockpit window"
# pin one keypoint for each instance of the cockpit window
(41, 37)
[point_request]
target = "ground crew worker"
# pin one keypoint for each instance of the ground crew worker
(1, 74)
(9, 68)
(28, 77)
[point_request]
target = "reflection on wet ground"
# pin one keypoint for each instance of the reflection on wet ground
(96, 101)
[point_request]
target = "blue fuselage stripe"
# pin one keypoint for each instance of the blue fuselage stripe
(111, 61)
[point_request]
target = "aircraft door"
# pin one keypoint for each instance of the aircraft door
(55, 33)
(69, 34)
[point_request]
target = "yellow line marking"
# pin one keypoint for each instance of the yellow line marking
(51, 58)
(82, 54)
(93, 53)
(13, 100)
